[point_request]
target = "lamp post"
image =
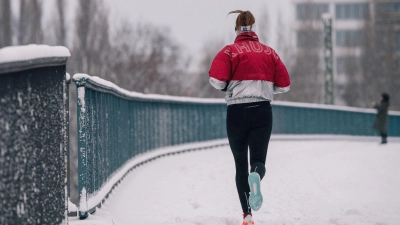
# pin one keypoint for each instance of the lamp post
(329, 97)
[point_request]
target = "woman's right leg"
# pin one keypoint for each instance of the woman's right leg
(237, 135)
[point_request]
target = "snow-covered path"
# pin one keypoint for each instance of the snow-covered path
(310, 182)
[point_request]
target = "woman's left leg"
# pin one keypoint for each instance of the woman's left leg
(237, 129)
(258, 144)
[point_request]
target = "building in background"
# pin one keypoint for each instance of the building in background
(357, 26)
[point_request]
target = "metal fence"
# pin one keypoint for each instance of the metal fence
(298, 118)
(115, 125)
(33, 141)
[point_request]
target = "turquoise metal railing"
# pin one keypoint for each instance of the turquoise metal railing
(301, 118)
(116, 125)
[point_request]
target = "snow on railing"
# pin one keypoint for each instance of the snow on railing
(107, 86)
(33, 134)
(119, 129)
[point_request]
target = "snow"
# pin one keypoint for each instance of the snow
(81, 98)
(131, 94)
(83, 206)
(71, 206)
(100, 195)
(67, 77)
(328, 181)
(30, 52)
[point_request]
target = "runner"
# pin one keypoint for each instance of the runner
(250, 73)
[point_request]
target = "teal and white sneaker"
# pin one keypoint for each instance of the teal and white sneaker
(255, 199)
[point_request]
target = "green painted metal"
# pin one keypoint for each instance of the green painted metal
(308, 119)
(115, 126)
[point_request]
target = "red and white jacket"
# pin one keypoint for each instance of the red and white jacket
(253, 70)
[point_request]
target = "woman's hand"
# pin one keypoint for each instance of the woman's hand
(226, 87)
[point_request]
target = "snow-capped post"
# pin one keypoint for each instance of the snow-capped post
(80, 82)
(33, 134)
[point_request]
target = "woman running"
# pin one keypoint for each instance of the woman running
(250, 73)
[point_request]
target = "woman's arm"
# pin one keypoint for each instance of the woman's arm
(282, 79)
(220, 69)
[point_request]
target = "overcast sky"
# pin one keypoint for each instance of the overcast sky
(193, 22)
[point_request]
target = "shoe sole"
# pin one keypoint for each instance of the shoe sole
(256, 198)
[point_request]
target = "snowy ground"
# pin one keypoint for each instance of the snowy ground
(311, 182)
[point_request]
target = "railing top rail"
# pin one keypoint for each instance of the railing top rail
(102, 85)
(331, 107)
(17, 58)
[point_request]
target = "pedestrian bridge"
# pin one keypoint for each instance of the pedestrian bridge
(330, 158)
(309, 180)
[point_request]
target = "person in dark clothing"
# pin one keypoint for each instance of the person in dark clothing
(382, 116)
(250, 73)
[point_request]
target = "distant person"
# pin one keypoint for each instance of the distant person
(250, 73)
(382, 116)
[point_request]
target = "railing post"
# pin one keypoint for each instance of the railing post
(68, 159)
(33, 134)
(82, 156)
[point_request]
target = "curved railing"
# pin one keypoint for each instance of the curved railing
(115, 125)
(305, 118)
(119, 129)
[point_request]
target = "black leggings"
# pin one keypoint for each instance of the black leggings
(248, 126)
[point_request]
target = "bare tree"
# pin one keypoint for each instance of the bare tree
(386, 58)
(5, 23)
(30, 27)
(60, 29)
(379, 68)
(91, 44)
(353, 67)
(306, 72)
(285, 49)
(353, 94)
(263, 25)
(200, 86)
(146, 59)
(56, 27)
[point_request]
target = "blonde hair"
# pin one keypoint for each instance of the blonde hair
(245, 18)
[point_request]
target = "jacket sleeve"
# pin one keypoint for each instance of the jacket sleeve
(220, 69)
(282, 79)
